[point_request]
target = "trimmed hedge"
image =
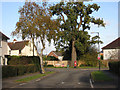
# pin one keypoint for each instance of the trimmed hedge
(23, 60)
(114, 66)
(11, 71)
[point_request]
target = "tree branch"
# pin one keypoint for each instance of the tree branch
(80, 22)
(62, 17)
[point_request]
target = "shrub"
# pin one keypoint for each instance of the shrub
(82, 65)
(89, 59)
(23, 60)
(50, 66)
(49, 58)
(45, 64)
(114, 66)
(11, 71)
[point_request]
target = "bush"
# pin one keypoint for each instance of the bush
(50, 66)
(114, 66)
(23, 60)
(11, 71)
(82, 65)
(45, 64)
(89, 59)
(49, 58)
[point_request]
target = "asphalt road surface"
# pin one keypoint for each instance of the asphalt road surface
(64, 78)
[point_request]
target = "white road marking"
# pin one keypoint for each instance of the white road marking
(38, 80)
(63, 82)
(78, 82)
(91, 84)
(22, 84)
(18, 85)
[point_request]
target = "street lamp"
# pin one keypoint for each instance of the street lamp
(98, 48)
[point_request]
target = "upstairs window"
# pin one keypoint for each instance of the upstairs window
(9, 52)
(19, 51)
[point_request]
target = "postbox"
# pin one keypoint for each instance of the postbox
(75, 64)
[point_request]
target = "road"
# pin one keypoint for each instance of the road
(64, 78)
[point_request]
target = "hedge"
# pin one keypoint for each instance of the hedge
(11, 71)
(114, 66)
(23, 60)
(49, 58)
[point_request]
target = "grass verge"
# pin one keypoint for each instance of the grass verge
(33, 77)
(100, 76)
(91, 67)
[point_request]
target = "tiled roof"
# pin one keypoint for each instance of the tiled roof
(3, 35)
(113, 45)
(58, 53)
(18, 45)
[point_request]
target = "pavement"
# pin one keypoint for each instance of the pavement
(63, 78)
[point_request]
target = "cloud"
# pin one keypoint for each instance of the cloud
(107, 22)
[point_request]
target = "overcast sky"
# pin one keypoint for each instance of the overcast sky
(108, 11)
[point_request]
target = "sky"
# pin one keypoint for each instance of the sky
(108, 11)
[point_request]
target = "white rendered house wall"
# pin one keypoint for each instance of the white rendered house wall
(110, 54)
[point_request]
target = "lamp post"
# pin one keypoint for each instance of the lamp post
(98, 49)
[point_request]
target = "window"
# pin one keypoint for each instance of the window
(19, 51)
(9, 52)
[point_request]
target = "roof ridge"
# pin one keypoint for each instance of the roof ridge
(4, 35)
(18, 45)
(112, 42)
(20, 41)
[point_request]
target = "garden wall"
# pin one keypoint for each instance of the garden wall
(58, 63)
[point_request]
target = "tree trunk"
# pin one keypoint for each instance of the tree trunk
(41, 63)
(41, 60)
(33, 45)
(74, 55)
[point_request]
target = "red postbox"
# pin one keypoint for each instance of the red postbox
(75, 64)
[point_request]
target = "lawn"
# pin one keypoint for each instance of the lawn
(33, 77)
(100, 76)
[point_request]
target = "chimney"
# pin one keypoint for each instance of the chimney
(14, 40)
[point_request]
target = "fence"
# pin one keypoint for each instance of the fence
(65, 63)
(58, 63)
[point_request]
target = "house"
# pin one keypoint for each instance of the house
(56, 54)
(3, 48)
(112, 50)
(21, 48)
